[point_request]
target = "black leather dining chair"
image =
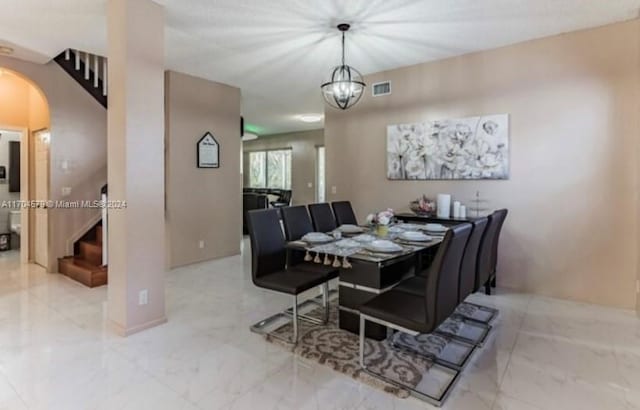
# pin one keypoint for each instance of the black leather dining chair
(343, 212)
(469, 264)
(439, 298)
(322, 217)
(284, 199)
(296, 221)
(416, 284)
(501, 215)
(269, 270)
(420, 314)
(487, 256)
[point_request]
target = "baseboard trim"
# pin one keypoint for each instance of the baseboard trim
(124, 332)
(222, 255)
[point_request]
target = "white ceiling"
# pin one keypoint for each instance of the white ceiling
(278, 52)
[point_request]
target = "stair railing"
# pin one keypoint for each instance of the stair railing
(89, 70)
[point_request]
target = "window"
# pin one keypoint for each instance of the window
(270, 169)
(320, 174)
(257, 169)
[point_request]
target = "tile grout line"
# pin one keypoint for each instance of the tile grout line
(506, 368)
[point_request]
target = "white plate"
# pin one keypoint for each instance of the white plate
(365, 238)
(396, 229)
(317, 237)
(348, 243)
(382, 245)
(412, 227)
(415, 236)
(348, 228)
(436, 228)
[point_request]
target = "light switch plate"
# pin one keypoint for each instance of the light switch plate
(66, 190)
(143, 297)
(201, 244)
(334, 190)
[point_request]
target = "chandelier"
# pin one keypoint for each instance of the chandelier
(345, 85)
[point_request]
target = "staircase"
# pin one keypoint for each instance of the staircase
(89, 70)
(85, 266)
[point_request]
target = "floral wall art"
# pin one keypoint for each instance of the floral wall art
(464, 148)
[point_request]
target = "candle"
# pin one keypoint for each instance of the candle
(444, 205)
(456, 209)
(463, 211)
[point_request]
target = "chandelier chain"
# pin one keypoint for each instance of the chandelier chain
(343, 48)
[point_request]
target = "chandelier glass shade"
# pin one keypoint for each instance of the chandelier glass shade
(344, 87)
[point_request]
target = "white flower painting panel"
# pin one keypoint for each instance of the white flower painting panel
(465, 148)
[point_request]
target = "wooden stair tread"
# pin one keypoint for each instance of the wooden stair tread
(92, 244)
(83, 271)
(83, 264)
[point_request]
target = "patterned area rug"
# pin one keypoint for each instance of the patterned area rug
(339, 349)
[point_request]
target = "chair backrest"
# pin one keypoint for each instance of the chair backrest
(296, 222)
(441, 296)
(268, 253)
(485, 265)
(286, 196)
(500, 215)
(470, 259)
(322, 217)
(344, 213)
(251, 201)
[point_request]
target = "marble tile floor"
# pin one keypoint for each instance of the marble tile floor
(56, 352)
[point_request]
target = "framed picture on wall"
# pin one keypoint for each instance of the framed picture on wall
(208, 152)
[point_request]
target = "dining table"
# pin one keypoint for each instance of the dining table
(366, 272)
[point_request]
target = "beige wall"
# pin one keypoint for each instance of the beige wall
(135, 147)
(303, 160)
(202, 204)
(573, 102)
(78, 136)
(14, 100)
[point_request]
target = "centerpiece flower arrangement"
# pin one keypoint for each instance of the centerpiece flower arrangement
(423, 206)
(381, 220)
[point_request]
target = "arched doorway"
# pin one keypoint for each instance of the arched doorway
(24, 147)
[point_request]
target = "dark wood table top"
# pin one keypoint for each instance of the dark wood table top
(365, 255)
(410, 216)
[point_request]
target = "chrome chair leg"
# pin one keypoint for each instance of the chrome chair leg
(316, 301)
(295, 319)
(261, 326)
(362, 331)
(436, 401)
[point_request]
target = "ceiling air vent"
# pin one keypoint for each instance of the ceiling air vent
(383, 88)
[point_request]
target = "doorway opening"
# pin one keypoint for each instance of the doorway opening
(24, 160)
(321, 191)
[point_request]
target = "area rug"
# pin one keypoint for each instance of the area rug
(339, 349)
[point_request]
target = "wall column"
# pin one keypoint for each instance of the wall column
(135, 150)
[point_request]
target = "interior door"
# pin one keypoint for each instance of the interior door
(41, 192)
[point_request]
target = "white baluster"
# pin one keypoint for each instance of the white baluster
(67, 54)
(77, 54)
(87, 65)
(96, 67)
(104, 76)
